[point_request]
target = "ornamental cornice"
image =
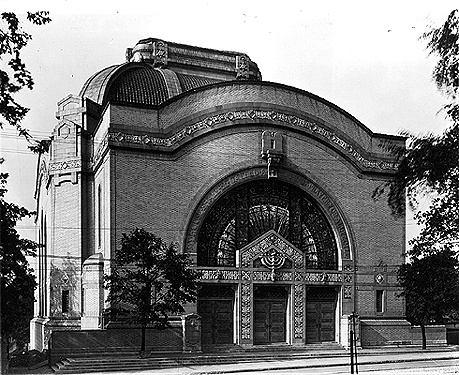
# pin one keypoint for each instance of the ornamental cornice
(299, 276)
(210, 122)
(65, 165)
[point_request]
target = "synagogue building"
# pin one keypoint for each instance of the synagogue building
(267, 188)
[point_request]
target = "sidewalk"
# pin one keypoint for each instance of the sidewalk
(367, 356)
(316, 361)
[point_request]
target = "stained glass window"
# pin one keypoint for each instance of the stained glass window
(250, 210)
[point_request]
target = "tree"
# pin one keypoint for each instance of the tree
(431, 288)
(149, 281)
(16, 76)
(17, 278)
(430, 164)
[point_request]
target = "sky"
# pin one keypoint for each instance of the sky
(364, 56)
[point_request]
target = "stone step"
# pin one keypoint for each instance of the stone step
(257, 354)
(329, 346)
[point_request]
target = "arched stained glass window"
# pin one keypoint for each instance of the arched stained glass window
(252, 209)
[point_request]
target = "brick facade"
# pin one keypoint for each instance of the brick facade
(116, 166)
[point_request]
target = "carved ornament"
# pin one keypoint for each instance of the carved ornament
(253, 115)
(242, 67)
(246, 311)
(64, 165)
(271, 243)
(255, 275)
(299, 310)
(347, 292)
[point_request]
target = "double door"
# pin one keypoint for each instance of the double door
(320, 314)
(270, 306)
(215, 306)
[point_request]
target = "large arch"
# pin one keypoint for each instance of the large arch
(318, 196)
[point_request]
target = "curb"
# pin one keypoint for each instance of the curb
(305, 366)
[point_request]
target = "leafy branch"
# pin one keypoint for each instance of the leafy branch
(16, 77)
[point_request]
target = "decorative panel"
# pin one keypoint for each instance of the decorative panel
(246, 311)
(299, 301)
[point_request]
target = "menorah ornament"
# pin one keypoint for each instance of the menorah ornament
(274, 260)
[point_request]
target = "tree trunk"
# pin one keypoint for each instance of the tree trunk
(142, 345)
(424, 339)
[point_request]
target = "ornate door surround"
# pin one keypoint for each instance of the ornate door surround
(271, 259)
(274, 249)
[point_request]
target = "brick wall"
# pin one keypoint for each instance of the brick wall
(398, 332)
(158, 192)
(65, 259)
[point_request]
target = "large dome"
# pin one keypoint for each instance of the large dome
(156, 71)
(139, 83)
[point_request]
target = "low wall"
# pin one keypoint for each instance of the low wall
(452, 333)
(183, 335)
(114, 341)
(375, 332)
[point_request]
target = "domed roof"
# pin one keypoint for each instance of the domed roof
(139, 83)
(156, 71)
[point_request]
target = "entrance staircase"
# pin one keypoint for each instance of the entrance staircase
(219, 355)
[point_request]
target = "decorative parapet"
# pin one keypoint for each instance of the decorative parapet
(152, 51)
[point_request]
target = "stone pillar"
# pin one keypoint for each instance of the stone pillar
(191, 325)
(93, 292)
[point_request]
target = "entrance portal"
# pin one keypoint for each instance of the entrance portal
(270, 306)
(215, 306)
(320, 314)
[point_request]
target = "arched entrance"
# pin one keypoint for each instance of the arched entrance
(271, 248)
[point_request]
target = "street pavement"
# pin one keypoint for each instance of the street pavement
(436, 360)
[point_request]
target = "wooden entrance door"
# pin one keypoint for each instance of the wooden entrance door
(215, 306)
(320, 314)
(270, 306)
